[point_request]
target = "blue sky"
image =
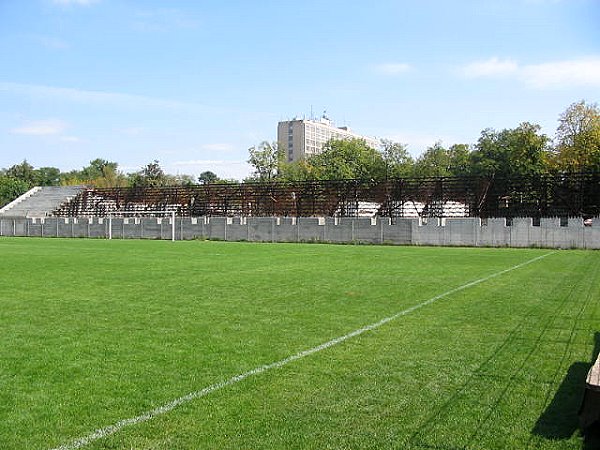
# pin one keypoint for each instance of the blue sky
(194, 84)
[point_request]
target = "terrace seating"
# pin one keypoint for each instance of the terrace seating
(92, 203)
(590, 408)
(575, 195)
(41, 202)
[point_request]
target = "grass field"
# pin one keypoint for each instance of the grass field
(93, 332)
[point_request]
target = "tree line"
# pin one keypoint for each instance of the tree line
(520, 151)
(19, 178)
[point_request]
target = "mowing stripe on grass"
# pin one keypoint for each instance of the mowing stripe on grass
(167, 407)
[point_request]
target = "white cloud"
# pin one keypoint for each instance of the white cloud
(53, 43)
(580, 72)
(492, 67)
(75, 2)
(554, 74)
(91, 97)
(70, 139)
(218, 147)
(543, 2)
(392, 68)
(48, 127)
(164, 19)
(133, 131)
(41, 128)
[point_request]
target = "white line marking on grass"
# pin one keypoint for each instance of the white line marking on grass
(167, 407)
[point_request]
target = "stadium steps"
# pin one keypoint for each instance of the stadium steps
(40, 201)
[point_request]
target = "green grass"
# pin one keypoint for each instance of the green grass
(95, 331)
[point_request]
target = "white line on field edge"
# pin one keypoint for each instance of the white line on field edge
(167, 407)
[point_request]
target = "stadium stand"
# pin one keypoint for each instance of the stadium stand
(572, 195)
(40, 201)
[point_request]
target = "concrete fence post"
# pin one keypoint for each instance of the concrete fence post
(173, 226)
(272, 229)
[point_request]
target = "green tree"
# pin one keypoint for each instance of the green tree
(72, 178)
(266, 160)
(297, 171)
(521, 151)
(397, 160)
(99, 168)
(182, 180)
(47, 176)
(348, 159)
(438, 161)
(99, 172)
(434, 162)
(23, 172)
(578, 138)
(460, 160)
(208, 177)
(11, 188)
(151, 175)
(228, 181)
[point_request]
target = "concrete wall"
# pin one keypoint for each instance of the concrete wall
(474, 232)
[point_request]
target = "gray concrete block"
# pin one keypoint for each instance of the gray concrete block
(401, 232)
(431, 231)
(215, 227)
(519, 231)
(462, 232)
(494, 233)
(310, 229)
(34, 227)
(260, 229)
(591, 235)
(285, 230)
(79, 228)
(97, 230)
(339, 230)
(367, 230)
(573, 233)
(150, 228)
(550, 227)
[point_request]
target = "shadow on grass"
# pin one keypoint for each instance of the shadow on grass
(560, 419)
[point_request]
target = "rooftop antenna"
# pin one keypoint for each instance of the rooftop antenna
(312, 117)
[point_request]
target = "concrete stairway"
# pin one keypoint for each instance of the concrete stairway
(40, 201)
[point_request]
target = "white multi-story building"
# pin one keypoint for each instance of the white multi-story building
(301, 138)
